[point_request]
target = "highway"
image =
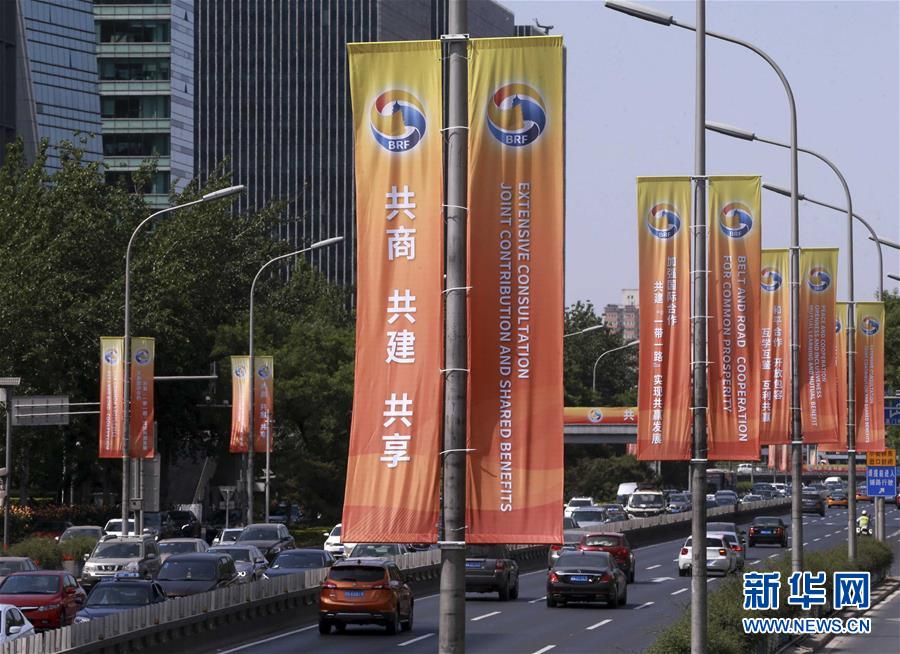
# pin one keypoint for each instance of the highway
(528, 626)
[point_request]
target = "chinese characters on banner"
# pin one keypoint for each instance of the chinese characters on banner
(112, 389)
(840, 350)
(664, 393)
(240, 404)
(774, 352)
(516, 225)
(393, 464)
(735, 235)
(141, 436)
(869, 377)
(263, 403)
(818, 370)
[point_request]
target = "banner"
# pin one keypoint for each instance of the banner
(818, 373)
(664, 384)
(263, 403)
(607, 415)
(141, 442)
(112, 391)
(869, 393)
(395, 435)
(516, 233)
(774, 348)
(240, 405)
(784, 459)
(840, 353)
(735, 237)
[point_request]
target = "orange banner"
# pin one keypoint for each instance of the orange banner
(818, 371)
(141, 441)
(607, 415)
(784, 460)
(516, 230)
(263, 403)
(395, 437)
(735, 237)
(240, 404)
(112, 391)
(664, 389)
(840, 352)
(870, 327)
(774, 344)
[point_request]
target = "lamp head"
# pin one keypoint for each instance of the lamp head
(223, 192)
(639, 11)
(728, 130)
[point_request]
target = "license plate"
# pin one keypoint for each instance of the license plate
(766, 532)
(473, 564)
(353, 593)
(579, 579)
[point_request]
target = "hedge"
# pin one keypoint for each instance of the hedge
(45, 552)
(725, 634)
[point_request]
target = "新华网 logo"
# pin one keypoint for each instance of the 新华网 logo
(397, 120)
(869, 325)
(770, 279)
(735, 220)
(516, 115)
(663, 221)
(819, 279)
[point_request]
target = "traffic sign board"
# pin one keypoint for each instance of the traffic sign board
(886, 458)
(891, 410)
(881, 481)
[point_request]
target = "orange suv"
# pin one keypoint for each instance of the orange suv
(365, 591)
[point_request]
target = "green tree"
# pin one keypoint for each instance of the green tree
(892, 356)
(600, 477)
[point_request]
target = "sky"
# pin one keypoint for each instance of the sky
(630, 112)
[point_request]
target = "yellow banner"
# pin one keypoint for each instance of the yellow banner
(775, 352)
(240, 404)
(141, 438)
(112, 390)
(869, 393)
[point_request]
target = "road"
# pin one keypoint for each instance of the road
(528, 626)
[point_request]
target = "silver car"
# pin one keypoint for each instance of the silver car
(719, 557)
(171, 546)
(129, 554)
(740, 554)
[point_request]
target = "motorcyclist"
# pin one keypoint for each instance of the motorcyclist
(862, 522)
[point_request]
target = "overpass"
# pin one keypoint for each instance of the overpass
(599, 425)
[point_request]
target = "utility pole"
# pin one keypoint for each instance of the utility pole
(452, 626)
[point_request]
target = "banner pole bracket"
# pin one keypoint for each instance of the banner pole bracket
(451, 544)
(699, 460)
(445, 370)
(456, 288)
(457, 450)
(450, 38)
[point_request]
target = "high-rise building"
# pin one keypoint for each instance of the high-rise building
(145, 56)
(624, 317)
(48, 76)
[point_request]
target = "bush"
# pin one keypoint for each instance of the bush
(74, 549)
(310, 536)
(45, 552)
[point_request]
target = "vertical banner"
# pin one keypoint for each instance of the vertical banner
(840, 363)
(664, 383)
(240, 405)
(774, 348)
(869, 377)
(263, 403)
(395, 437)
(735, 238)
(818, 373)
(515, 240)
(784, 459)
(112, 389)
(141, 442)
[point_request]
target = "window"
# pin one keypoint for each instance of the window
(357, 573)
(135, 106)
(134, 69)
(135, 145)
(142, 31)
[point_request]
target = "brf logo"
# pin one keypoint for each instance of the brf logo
(771, 279)
(264, 371)
(142, 356)
(869, 325)
(663, 221)
(735, 220)
(516, 115)
(595, 415)
(111, 356)
(397, 120)
(819, 279)
(240, 372)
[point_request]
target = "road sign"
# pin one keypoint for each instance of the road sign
(886, 458)
(881, 481)
(40, 410)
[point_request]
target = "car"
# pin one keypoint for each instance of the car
(229, 535)
(837, 498)
(334, 544)
(745, 468)
(812, 502)
(153, 523)
(94, 532)
(293, 561)
(285, 514)
(121, 554)
(646, 503)
(767, 493)
(48, 598)
(613, 510)
(586, 577)
(726, 498)
(711, 503)
(13, 624)
(679, 503)
(171, 546)
(729, 528)
(862, 494)
(365, 591)
(570, 523)
(577, 503)
(740, 554)
(571, 537)
(589, 517)
(10, 564)
(762, 486)
(114, 527)
(750, 497)
(378, 550)
(625, 490)
(189, 574)
(250, 563)
(769, 530)
(781, 490)
(615, 544)
(121, 593)
(180, 524)
(719, 557)
(270, 539)
(491, 569)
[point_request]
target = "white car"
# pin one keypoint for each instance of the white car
(577, 503)
(745, 468)
(229, 535)
(334, 545)
(114, 527)
(719, 557)
(13, 624)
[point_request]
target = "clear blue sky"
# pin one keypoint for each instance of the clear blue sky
(630, 112)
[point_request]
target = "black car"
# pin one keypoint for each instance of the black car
(271, 539)
(768, 530)
(121, 593)
(586, 577)
(251, 565)
(179, 524)
(293, 561)
(812, 502)
(491, 569)
(189, 574)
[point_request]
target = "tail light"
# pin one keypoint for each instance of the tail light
(752, 530)
(555, 548)
(330, 585)
(737, 548)
(621, 553)
(500, 565)
(553, 579)
(777, 530)
(380, 587)
(684, 551)
(723, 552)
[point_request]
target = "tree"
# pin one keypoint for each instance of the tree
(892, 356)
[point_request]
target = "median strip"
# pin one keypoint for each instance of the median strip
(599, 624)
(486, 615)
(414, 640)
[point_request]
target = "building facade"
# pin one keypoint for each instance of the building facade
(624, 317)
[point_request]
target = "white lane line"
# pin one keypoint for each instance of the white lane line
(414, 640)
(679, 591)
(755, 562)
(805, 544)
(772, 556)
(816, 540)
(539, 599)
(544, 649)
(654, 567)
(643, 606)
(674, 560)
(267, 640)
(599, 624)
(486, 615)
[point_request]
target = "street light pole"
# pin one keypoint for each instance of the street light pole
(314, 246)
(126, 346)
(584, 331)
(603, 354)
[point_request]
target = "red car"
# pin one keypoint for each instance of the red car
(616, 544)
(48, 598)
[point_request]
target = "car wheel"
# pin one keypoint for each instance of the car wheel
(614, 600)
(394, 625)
(514, 592)
(504, 592)
(784, 543)
(324, 627)
(551, 603)
(682, 572)
(407, 624)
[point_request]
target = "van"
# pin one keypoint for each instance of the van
(625, 491)
(833, 480)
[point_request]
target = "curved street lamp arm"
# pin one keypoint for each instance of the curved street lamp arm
(603, 354)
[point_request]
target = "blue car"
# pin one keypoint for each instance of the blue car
(123, 592)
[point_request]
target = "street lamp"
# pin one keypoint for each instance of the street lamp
(884, 241)
(584, 331)
(603, 354)
(314, 246)
(126, 347)
(896, 278)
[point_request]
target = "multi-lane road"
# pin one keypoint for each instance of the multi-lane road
(528, 626)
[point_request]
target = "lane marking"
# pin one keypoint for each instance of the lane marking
(599, 624)
(681, 590)
(805, 544)
(267, 640)
(654, 567)
(414, 640)
(643, 606)
(772, 556)
(674, 560)
(486, 615)
(816, 540)
(539, 599)
(755, 562)
(544, 649)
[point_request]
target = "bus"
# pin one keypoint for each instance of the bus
(717, 479)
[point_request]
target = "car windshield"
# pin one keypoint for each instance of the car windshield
(726, 493)
(767, 522)
(838, 494)
(237, 553)
(180, 570)
(592, 560)
(8, 567)
(363, 573)
(485, 551)
(116, 525)
(152, 520)
(291, 559)
(711, 541)
(80, 532)
(118, 594)
(259, 533)
(647, 498)
(569, 523)
(588, 516)
(30, 585)
(375, 549)
(179, 547)
(230, 535)
(579, 503)
(336, 531)
(730, 539)
(114, 550)
(603, 541)
(811, 495)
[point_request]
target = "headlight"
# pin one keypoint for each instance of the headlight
(81, 619)
(47, 607)
(242, 573)
(265, 576)
(131, 566)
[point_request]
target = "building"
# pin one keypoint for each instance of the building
(48, 76)
(145, 57)
(624, 317)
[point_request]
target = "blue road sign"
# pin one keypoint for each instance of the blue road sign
(892, 410)
(881, 481)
